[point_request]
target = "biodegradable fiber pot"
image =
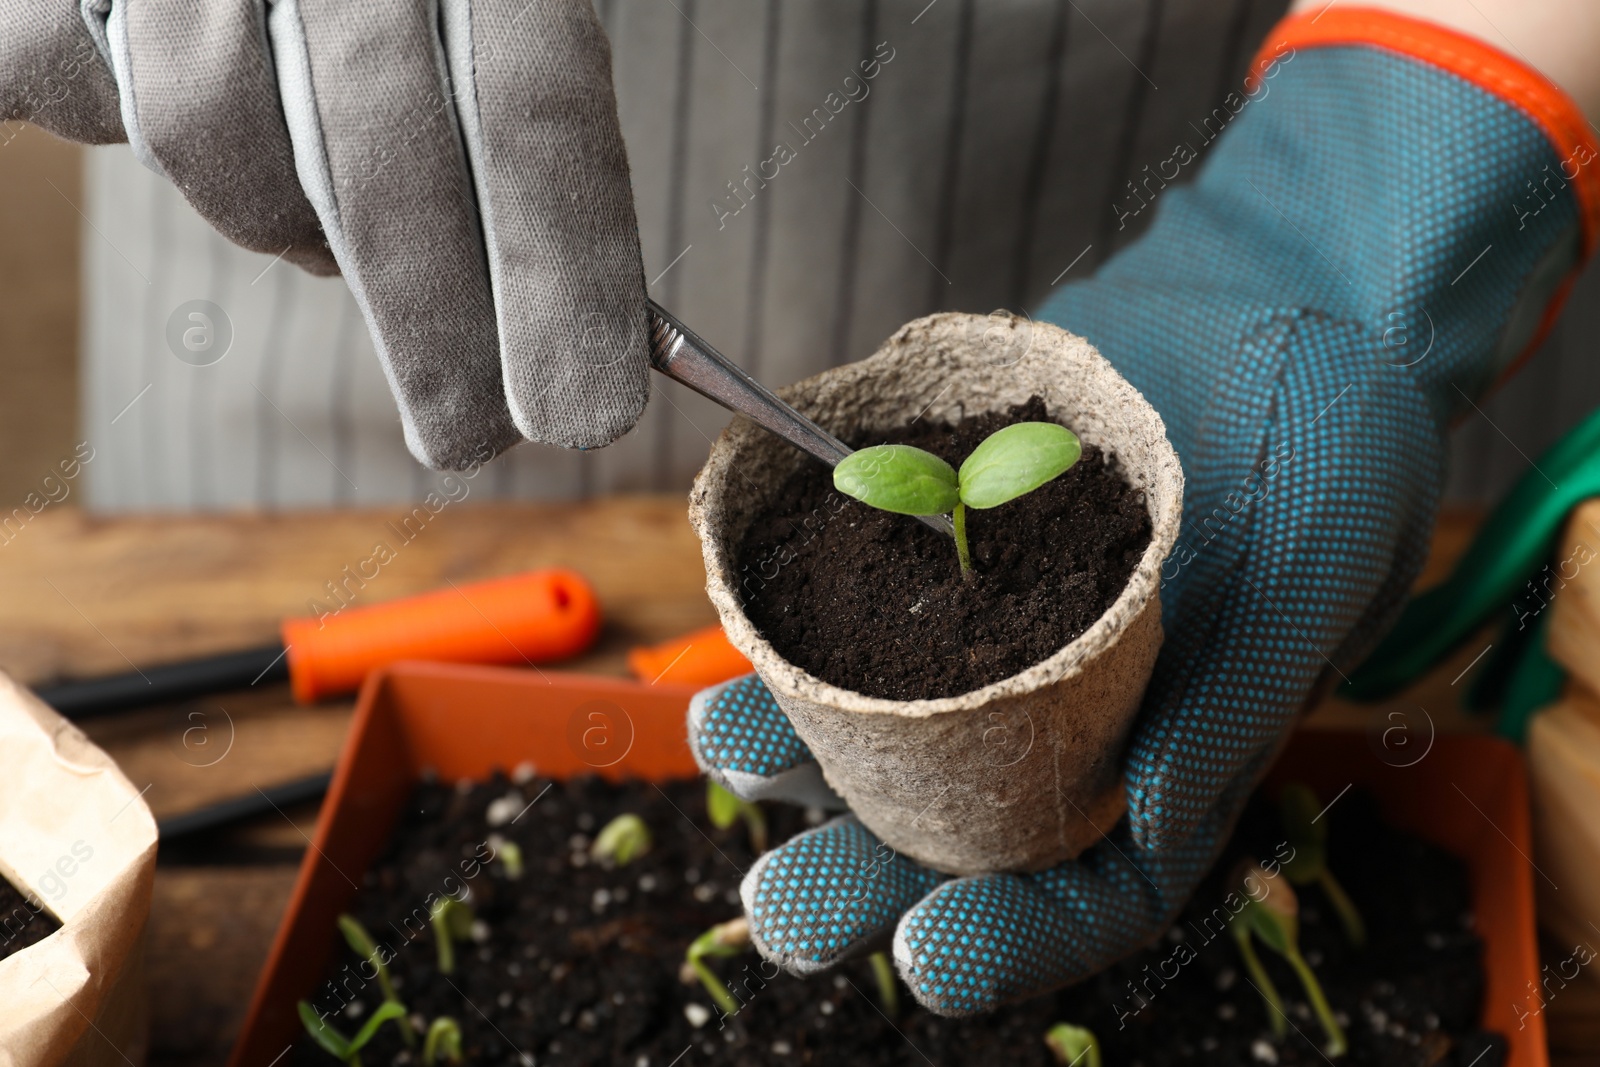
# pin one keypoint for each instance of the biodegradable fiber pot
(1021, 774)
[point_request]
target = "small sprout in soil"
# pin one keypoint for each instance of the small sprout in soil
(1300, 809)
(1274, 920)
(443, 1044)
(621, 841)
(362, 944)
(1009, 463)
(511, 856)
(1073, 1046)
(724, 939)
(725, 809)
(888, 987)
(452, 922)
(347, 1049)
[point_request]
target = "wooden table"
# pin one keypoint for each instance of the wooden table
(80, 596)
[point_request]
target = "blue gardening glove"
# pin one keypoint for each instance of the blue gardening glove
(1360, 192)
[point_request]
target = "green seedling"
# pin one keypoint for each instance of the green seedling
(723, 940)
(1308, 834)
(1274, 921)
(452, 922)
(725, 809)
(1258, 977)
(622, 840)
(443, 1044)
(347, 1049)
(1073, 1046)
(888, 987)
(511, 856)
(362, 944)
(1009, 463)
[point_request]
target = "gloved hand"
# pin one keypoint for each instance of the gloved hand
(462, 166)
(1359, 192)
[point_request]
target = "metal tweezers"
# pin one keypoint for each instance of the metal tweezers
(677, 352)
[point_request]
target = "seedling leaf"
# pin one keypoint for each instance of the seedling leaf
(622, 840)
(1007, 464)
(387, 1010)
(1276, 929)
(898, 478)
(724, 809)
(1016, 460)
(443, 1042)
(362, 944)
(721, 806)
(1073, 1046)
(511, 855)
(326, 1037)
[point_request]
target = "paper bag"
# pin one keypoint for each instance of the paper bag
(76, 836)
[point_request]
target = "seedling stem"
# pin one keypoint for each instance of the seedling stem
(725, 939)
(1258, 976)
(963, 554)
(332, 1041)
(362, 944)
(452, 921)
(1273, 917)
(888, 986)
(1354, 928)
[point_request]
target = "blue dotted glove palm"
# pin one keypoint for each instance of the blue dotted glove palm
(1357, 259)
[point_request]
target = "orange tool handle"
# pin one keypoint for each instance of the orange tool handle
(703, 657)
(521, 618)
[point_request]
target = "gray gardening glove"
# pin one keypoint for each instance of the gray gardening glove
(461, 165)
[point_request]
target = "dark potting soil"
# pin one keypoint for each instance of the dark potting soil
(578, 964)
(874, 602)
(23, 922)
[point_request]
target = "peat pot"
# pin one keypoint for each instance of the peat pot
(1020, 774)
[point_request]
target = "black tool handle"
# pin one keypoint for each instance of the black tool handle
(250, 805)
(168, 684)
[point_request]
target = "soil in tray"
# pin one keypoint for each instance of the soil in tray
(874, 602)
(23, 922)
(578, 964)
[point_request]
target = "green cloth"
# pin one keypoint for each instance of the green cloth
(1514, 546)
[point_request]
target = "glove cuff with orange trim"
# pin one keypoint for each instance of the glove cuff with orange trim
(1388, 224)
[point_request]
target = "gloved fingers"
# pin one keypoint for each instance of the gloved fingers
(1282, 596)
(199, 102)
(52, 73)
(976, 943)
(367, 100)
(828, 895)
(539, 120)
(744, 742)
